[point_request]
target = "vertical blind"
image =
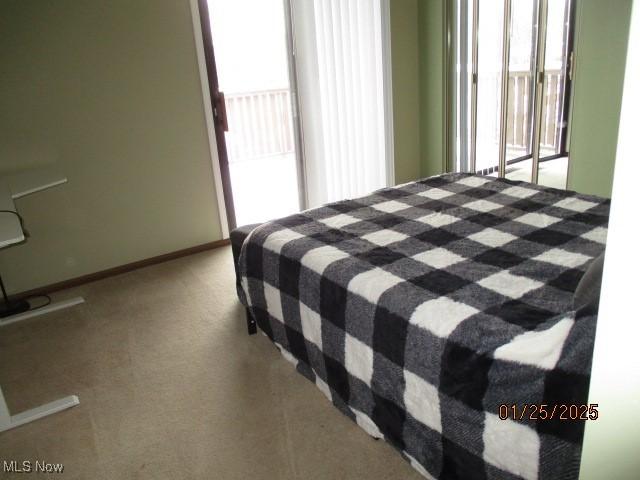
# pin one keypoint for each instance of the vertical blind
(339, 56)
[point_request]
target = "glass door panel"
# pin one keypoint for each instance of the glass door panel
(250, 40)
(490, 32)
(464, 103)
(552, 165)
(537, 84)
(520, 104)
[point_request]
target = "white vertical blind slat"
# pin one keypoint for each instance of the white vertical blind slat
(326, 189)
(361, 52)
(379, 70)
(347, 94)
(369, 88)
(357, 143)
(339, 83)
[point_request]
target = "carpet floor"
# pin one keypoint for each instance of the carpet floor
(172, 387)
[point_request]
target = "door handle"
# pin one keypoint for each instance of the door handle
(221, 111)
(572, 65)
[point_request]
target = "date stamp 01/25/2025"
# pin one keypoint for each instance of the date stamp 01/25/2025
(541, 411)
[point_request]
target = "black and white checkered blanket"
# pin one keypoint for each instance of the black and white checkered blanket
(420, 309)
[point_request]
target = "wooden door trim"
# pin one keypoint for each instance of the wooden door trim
(215, 98)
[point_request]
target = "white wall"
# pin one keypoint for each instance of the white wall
(110, 93)
(612, 443)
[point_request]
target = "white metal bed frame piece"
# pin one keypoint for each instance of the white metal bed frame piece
(13, 187)
(8, 421)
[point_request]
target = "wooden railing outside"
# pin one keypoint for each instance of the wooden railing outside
(260, 124)
(519, 116)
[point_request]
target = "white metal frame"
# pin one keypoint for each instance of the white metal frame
(539, 88)
(52, 307)
(474, 85)
(303, 197)
(208, 115)
(8, 421)
(385, 14)
(20, 185)
(308, 112)
(504, 89)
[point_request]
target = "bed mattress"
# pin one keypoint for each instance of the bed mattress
(437, 315)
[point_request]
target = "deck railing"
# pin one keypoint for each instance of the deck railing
(260, 124)
(519, 116)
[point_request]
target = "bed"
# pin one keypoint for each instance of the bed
(438, 315)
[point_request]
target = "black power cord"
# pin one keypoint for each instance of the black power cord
(47, 301)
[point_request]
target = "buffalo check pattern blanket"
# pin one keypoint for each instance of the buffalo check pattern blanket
(420, 309)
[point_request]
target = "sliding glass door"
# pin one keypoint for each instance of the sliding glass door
(301, 99)
(558, 72)
(489, 84)
(511, 75)
(522, 83)
(252, 60)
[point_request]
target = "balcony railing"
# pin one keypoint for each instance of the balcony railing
(519, 115)
(260, 124)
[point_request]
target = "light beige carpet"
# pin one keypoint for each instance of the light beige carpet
(172, 387)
